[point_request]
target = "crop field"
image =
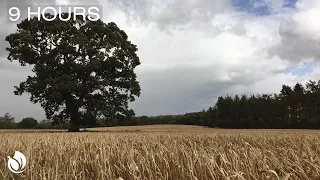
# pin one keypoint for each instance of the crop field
(164, 152)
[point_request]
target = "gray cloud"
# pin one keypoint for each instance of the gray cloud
(182, 89)
(3, 44)
(163, 94)
(8, 27)
(17, 106)
(295, 46)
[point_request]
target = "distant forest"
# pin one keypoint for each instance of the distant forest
(295, 107)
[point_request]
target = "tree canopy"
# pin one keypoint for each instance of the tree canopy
(82, 69)
(28, 123)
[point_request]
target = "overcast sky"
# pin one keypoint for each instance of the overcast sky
(193, 51)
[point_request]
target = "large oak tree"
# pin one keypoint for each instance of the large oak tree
(82, 69)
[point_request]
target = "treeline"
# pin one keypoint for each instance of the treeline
(8, 122)
(296, 107)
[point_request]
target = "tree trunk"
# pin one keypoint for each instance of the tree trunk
(73, 110)
(74, 121)
(74, 126)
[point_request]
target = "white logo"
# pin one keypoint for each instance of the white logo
(17, 163)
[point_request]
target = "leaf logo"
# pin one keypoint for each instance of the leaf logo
(17, 163)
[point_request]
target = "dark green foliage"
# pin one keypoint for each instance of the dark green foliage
(83, 70)
(296, 107)
(28, 123)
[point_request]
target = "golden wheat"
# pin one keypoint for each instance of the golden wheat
(163, 155)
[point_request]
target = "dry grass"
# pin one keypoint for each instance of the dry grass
(219, 154)
(190, 128)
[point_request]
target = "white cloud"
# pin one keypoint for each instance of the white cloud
(301, 34)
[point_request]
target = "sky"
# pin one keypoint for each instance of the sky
(193, 51)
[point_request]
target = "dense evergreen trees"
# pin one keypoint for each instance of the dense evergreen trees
(294, 107)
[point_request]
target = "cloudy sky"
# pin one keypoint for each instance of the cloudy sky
(193, 51)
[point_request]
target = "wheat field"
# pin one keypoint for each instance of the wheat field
(161, 155)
